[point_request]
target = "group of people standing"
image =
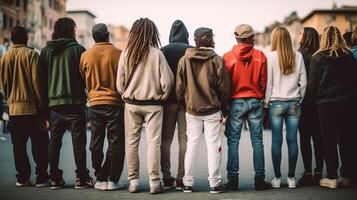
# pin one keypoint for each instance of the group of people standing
(312, 90)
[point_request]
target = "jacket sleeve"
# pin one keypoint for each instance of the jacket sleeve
(224, 83)
(81, 68)
(180, 82)
(313, 80)
(166, 77)
(121, 74)
(37, 79)
(269, 86)
(264, 76)
(302, 79)
(3, 77)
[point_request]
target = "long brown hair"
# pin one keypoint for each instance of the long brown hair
(281, 42)
(333, 42)
(310, 40)
(142, 35)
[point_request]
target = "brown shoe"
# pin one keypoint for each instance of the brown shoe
(169, 183)
(157, 190)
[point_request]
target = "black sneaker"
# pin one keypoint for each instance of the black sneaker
(317, 178)
(218, 189)
(233, 183)
(23, 183)
(83, 183)
(187, 189)
(260, 184)
(57, 184)
(306, 180)
(169, 183)
(42, 182)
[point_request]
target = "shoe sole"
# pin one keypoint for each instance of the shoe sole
(216, 192)
(292, 187)
(81, 187)
(187, 191)
(179, 188)
(56, 187)
(275, 186)
(101, 189)
(42, 185)
(328, 186)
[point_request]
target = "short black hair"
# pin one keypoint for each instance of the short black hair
(101, 37)
(19, 35)
(64, 28)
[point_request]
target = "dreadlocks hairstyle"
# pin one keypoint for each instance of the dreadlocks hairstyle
(281, 43)
(310, 40)
(333, 42)
(142, 35)
(64, 28)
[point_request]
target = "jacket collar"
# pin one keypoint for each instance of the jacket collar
(102, 43)
(19, 45)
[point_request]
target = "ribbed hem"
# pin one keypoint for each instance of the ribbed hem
(105, 102)
(22, 108)
(144, 102)
(56, 102)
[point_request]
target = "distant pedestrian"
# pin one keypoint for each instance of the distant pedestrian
(20, 80)
(203, 85)
(66, 100)
(247, 68)
(309, 124)
(332, 84)
(145, 81)
(285, 91)
(173, 111)
(106, 109)
(354, 44)
(348, 38)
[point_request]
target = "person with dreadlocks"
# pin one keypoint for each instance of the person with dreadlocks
(203, 85)
(332, 84)
(144, 80)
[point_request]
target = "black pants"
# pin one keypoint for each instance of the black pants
(23, 128)
(107, 119)
(337, 126)
(72, 118)
(309, 128)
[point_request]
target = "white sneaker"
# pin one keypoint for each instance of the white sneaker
(291, 182)
(343, 182)
(276, 182)
(329, 183)
(19, 184)
(101, 185)
(115, 185)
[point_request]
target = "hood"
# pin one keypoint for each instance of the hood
(200, 53)
(243, 52)
(178, 32)
(58, 45)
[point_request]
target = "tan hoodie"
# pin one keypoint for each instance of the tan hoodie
(98, 67)
(20, 80)
(202, 81)
(151, 83)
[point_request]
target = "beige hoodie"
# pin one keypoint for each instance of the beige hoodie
(151, 83)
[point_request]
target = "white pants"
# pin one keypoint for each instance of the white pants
(210, 126)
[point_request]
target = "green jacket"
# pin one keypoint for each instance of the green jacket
(20, 80)
(60, 60)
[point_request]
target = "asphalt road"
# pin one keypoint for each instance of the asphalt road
(8, 191)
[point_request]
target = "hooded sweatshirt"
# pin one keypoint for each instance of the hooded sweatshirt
(202, 81)
(176, 49)
(60, 59)
(332, 79)
(20, 80)
(247, 68)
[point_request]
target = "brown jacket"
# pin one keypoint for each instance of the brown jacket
(152, 82)
(20, 80)
(98, 67)
(202, 81)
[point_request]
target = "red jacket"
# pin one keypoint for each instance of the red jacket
(247, 68)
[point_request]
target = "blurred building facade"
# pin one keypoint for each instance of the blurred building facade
(38, 16)
(119, 36)
(85, 22)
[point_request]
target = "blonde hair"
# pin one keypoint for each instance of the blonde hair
(281, 42)
(332, 41)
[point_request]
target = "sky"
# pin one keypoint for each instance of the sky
(220, 15)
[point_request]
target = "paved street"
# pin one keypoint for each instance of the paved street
(8, 191)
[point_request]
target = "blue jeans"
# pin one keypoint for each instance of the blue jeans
(252, 111)
(288, 111)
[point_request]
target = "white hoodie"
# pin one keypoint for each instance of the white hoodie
(282, 87)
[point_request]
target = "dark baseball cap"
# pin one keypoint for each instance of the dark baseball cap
(100, 30)
(200, 32)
